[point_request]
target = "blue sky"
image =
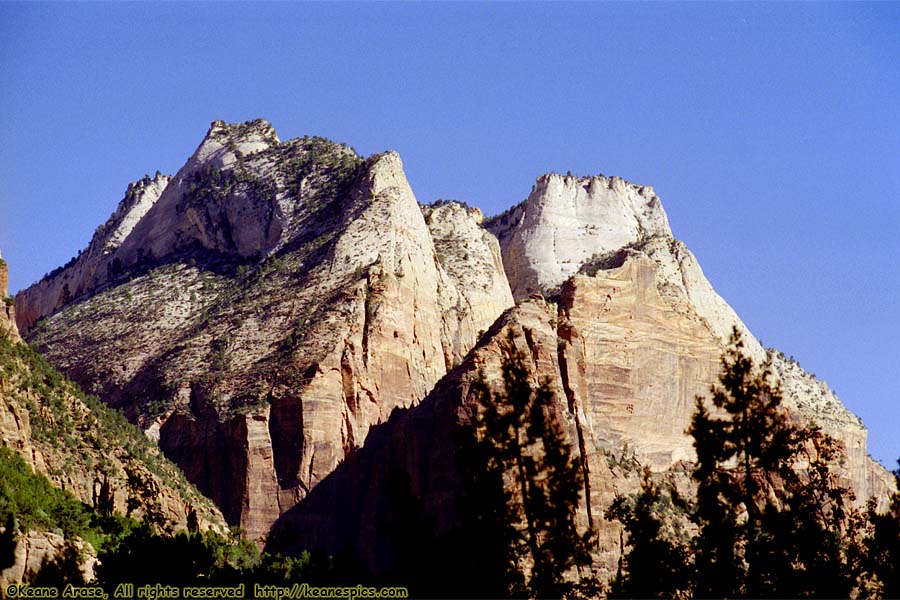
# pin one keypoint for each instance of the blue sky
(771, 132)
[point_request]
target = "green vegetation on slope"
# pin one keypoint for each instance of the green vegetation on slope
(83, 442)
(35, 503)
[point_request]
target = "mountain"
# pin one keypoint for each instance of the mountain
(631, 336)
(292, 327)
(270, 305)
(56, 431)
(8, 309)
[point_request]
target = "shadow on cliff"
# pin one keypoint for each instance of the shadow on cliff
(396, 504)
(402, 484)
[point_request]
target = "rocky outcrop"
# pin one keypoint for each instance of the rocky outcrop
(35, 549)
(8, 326)
(275, 313)
(478, 290)
(222, 200)
(545, 239)
(81, 446)
(634, 363)
(565, 221)
(625, 367)
(288, 297)
(420, 443)
(625, 363)
(96, 264)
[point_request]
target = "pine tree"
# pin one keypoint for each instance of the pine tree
(8, 541)
(772, 519)
(882, 556)
(658, 566)
(770, 512)
(525, 484)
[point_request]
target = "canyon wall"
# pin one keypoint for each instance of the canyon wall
(289, 324)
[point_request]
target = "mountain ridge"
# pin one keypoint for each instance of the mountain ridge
(277, 301)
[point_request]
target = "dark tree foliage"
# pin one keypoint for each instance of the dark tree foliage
(140, 555)
(770, 513)
(653, 551)
(104, 498)
(409, 532)
(8, 542)
(881, 558)
(771, 518)
(523, 489)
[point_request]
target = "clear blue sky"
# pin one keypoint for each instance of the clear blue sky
(771, 132)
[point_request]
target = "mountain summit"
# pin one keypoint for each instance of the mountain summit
(273, 302)
(290, 325)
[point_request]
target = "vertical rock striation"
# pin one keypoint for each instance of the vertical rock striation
(565, 221)
(274, 314)
(635, 336)
(274, 303)
(7, 305)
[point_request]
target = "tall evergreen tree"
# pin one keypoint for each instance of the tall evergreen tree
(882, 556)
(8, 541)
(525, 484)
(658, 566)
(771, 518)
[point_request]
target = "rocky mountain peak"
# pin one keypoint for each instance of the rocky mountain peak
(7, 305)
(225, 144)
(566, 220)
(140, 196)
(264, 311)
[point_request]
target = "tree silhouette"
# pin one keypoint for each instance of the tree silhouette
(8, 541)
(771, 517)
(882, 546)
(658, 565)
(524, 486)
(770, 512)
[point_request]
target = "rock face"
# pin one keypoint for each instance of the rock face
(625, 365)
(80, 445)
(8, 307)
(565, 221)
(38, 547)
(275, 302)
(630, 342)
(94, 265)
(642, 234)
(275, 313)
(471, 258)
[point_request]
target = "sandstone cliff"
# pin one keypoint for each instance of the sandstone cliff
(276, 301)
(636, 332)
(79, 444)
(545, 240)
(8, 326)
(36, 548)
(96, 264)
(277, 306)
(565, 221)
(84, 448)
(625, 365)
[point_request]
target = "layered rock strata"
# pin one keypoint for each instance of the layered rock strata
(625, 365)
(283, 297)
(263, 314)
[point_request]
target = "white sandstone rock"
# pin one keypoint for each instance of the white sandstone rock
(567, 220)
